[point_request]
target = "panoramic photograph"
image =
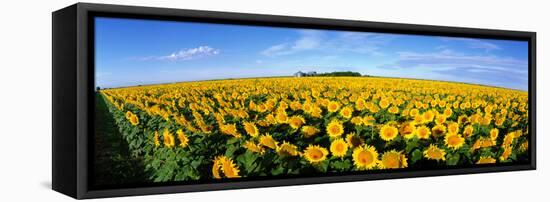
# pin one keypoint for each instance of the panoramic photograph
(193, 102)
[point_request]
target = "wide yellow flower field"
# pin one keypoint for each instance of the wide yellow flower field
(284, 126)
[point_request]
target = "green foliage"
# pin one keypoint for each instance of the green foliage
(347, 73)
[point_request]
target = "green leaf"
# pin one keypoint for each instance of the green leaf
(323, 166)
(341, 165)
(230, 150)
(412, 144)
(452, 159)
(277, 171)
(416, 155)
(195, 163)
(232, 140)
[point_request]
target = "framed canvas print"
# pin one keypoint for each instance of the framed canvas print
(155, 100)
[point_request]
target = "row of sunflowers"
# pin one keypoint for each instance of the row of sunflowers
(305, 126)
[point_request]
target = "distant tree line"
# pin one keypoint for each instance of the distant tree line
(347, 73)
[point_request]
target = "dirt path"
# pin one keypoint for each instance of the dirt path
(113, 163)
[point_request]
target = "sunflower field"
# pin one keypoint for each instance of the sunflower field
(236, 128)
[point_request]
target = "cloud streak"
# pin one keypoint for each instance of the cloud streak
(474, 43)
(480, 69)
(310, 40)
(192, 53)
(184, 54)
(451, 59)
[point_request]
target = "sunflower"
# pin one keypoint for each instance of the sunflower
(418, 104)
(463, 119)
(494, 133)
(251, 129)
(253, 147)
(309, 131)
(354, 140)
(442, 103)
(487, 119)
(230, 129)
(335, 129)
(252, 106)
(418, 119)
(475, 118)
(156, 139)
(128, 114)
(281, 117)
(365, 157)
(434, 153)
(407, 130)
(368, 120)
(524, 146)
(388, 132)
(428, 116)
(295, 105)
(393, 110)
(315, 154)
(499, 121)
(486, 160)
(440, 119)
(338, 147)
(134, 120)
(454, 141)
(405, 112)
(316, 112)
(519, 133)
(468, 131)
(226, 165)
(452, 127)
(261, 108)
(216, 165)
(333, 106)
(346, 112)
(413, 112)
(270, 119)
(296, 121)
(448, 112)
(183, 139)
(384, 103)
(287, 149)
(360, 104)
(439, 130)
(508, 139)
(393, 159)
(423, 132)
(485, 142)
(168, 138)
(268, 141)
(476, 145)
(374, 109)
(506, 153)
(357, 120)
(306, 107)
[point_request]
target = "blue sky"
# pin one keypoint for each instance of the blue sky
(133, 52)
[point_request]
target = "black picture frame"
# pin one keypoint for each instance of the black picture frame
(73, 89)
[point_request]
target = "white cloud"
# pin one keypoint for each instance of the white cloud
(192, 53)
(450, 59)
(312, 40)
(184, 54)
(276, 50)
(474, 43)
(308, 40)
(456, 66)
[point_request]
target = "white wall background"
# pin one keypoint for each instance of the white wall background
(25, 99)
